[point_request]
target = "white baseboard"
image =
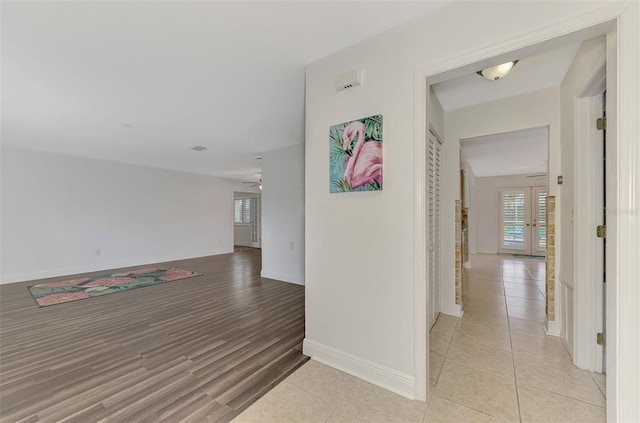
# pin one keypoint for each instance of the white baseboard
(552, 328)
(451, 309)
(43, 274)
(389, 379)
(297, 279)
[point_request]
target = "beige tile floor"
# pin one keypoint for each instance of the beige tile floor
(494, 364)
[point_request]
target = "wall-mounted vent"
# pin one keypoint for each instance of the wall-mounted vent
(349, 79)
(199, 148)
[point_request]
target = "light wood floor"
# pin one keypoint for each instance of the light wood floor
(199, 349)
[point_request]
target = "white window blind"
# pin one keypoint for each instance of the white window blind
(242, 210)
(542, 219)
(513, 219)
(246, 218)
(237, 211)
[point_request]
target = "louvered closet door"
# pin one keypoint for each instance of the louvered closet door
(434, 158)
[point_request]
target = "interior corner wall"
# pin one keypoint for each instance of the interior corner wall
(486, 213)
(436, 114)
(63, 215)
(470, 182)
(360, 310)
(576, 77)
(283, 214)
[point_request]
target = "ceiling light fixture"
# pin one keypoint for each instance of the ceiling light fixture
(497, 72)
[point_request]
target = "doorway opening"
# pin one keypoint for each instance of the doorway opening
(523, 226)
(504, 198)
(528, 240)
(247, 225)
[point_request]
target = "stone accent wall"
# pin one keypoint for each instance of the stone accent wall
(458, 252)
(551, 258)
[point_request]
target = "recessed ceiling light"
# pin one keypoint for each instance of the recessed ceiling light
(497, 72)
(199, 148)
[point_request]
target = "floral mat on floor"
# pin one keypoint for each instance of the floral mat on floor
(52, 293)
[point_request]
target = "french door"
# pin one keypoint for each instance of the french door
(523, 221)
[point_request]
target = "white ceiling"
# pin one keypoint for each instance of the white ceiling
(507, 153)
(522, 152)
(142, 82)
(535, 72)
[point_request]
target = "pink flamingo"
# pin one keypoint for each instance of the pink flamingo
(364, 162)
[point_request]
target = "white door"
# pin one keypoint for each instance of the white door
(255, 221)
(523, 221)
(434, 156)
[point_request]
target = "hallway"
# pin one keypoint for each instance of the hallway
(497, 359)
(493, 364)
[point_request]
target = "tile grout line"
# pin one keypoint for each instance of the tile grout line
(513, 361)
(565, 396)
(604, 393)
(341, 401)
(330, 414)
(444, 359)
(472, 368)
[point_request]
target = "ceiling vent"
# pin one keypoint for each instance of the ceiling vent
(199, 148)
(349, 79)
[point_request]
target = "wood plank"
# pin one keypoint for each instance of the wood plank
(197, 349)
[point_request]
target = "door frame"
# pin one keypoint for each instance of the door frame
(588, 259)
(623, 388)
(256, 215)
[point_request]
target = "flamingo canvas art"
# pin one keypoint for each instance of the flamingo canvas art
(355, 155)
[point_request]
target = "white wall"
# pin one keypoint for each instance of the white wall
(534, 109)
(580, 70)
(485, 213)
(469, 203)
(58, 210)
(283, 214)
(360, 280)
(436, 114)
